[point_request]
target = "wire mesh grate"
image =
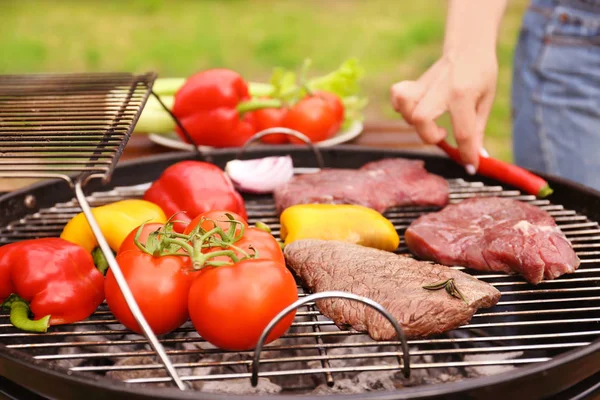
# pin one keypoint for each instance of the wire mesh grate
(529, 324)
(69, 126)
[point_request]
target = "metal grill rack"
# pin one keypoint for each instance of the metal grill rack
(68, 126)
(74, 127)
(536, 323)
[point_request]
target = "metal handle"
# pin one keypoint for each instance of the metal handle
(180, 125)
(285, 131)
(131, 303)
(405, 360)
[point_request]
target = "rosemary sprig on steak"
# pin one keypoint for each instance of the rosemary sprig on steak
(450, 287)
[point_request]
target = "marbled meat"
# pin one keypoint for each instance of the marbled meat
(494, 234)
(378, 185)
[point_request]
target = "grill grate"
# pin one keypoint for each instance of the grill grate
(68, 125)
(529, 324)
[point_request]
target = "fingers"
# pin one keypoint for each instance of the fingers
(405, 95)
(420, 108)
(464, 124)
(483, 110)
(431, 106)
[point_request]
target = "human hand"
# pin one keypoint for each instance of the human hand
(463, 85)
(462, 82)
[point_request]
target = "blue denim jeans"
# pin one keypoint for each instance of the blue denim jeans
(556, 90)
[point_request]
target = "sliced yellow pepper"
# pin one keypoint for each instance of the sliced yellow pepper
(343, 222)
(116, 221)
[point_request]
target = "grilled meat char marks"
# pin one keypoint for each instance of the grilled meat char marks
(394, 281)
(378, 185)
(495, 234)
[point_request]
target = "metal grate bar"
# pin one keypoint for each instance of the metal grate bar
(535, 322)
(48, 121)
(354, 345)
(322, 359)
(343, 369)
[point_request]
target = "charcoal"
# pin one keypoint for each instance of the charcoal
(70, 362)
(193, 350)
(138, 374)
(241, 386)
(492, 369)
(110, 348)
(148, 373)
(289, 382)
(364, 382)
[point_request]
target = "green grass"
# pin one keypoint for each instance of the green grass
(394, 40)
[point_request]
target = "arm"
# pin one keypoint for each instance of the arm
(462, 81)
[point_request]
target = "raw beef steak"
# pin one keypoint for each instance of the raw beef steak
(378, 185)
(495, 234)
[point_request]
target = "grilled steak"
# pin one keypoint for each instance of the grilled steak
(378, 185)
(394, 281)
(495, 234)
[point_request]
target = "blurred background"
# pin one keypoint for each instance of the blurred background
(394, 40)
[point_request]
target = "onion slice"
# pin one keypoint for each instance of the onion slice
(260, 175)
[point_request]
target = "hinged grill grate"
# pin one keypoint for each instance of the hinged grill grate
(529, 324)
(68, 126)
(74, 127)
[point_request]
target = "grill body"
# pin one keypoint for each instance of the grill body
(556, 325)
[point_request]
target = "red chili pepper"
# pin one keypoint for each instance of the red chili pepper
(194, 187)
(57, 278)
(504, 172)
(211, 106)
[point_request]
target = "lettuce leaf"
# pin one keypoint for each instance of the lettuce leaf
(344, 81)
(289, 87)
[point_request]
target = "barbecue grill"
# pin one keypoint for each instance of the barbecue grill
(538, 341)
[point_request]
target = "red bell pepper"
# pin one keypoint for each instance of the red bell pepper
(194, 187)
(57, 278)
(504, 172)
(213, 108)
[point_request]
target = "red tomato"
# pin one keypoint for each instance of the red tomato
(128, 242)
(263, 242)
(217, 218)
(336, 104)
(314, 117)
(160, 286)
(270, 118)
(231, 305)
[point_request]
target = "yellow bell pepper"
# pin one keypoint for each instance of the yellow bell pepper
(116, 221)
(343, 222)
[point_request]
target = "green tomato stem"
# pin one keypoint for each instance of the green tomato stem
(204, 259)
(139, 245)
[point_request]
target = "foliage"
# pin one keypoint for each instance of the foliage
(393, 40)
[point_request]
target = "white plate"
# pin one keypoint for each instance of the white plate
(173, 141)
